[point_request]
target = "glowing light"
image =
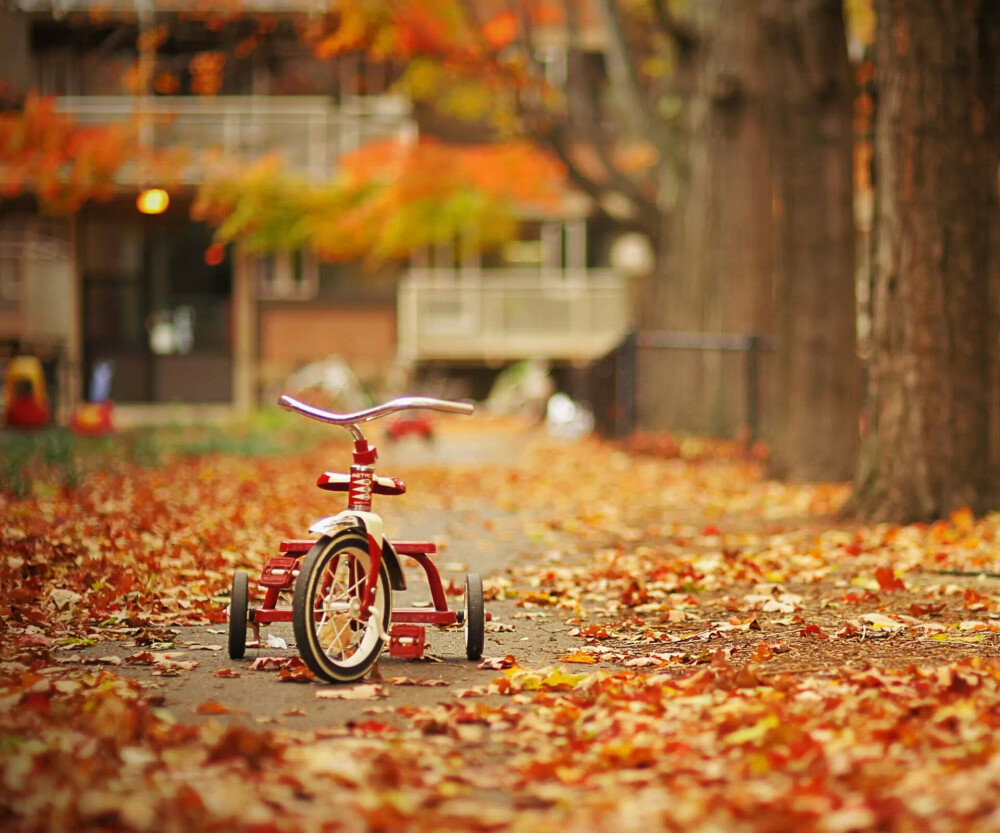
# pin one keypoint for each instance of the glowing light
(214, 254)
(153, 201)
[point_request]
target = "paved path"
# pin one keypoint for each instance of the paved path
(480, 537)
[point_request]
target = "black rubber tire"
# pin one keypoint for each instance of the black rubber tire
(327, 551)
(239, 604)
(475, 617)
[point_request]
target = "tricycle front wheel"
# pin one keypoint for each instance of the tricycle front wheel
(474, 617)
(239, 604)
(336, 641)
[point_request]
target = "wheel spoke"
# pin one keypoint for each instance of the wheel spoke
(342, 587)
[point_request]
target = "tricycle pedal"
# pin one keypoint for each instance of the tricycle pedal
(279, 571)
(407, 641)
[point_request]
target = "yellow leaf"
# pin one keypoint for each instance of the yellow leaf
(561, 679)
(749, 734)
(579, 657)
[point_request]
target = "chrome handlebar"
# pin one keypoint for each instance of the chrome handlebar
(406, 403)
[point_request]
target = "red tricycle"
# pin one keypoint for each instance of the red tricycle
(341, 612)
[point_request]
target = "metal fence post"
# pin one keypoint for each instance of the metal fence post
(752, 381)
(625, 371)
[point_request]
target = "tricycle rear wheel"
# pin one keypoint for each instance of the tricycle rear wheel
(474, 618)
(239, 603)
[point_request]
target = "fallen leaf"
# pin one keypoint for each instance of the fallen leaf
(880, 621)
(366, 691)
(497, 663)
(212, 707)
(888, 580)
(267, 663)
(295, 671)
(579, 657)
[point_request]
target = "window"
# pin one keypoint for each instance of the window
(288, 276)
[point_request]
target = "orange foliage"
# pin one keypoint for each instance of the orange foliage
(501, 30)
(514, 170)
(206, 71)
(44, 152)
(392, 197)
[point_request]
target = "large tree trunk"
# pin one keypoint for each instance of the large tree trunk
(761, 240)
(927, 449)
(814, 386)
(716, 270)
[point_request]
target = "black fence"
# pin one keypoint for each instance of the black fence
(617, 374)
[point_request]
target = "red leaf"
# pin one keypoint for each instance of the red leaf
(887, 580)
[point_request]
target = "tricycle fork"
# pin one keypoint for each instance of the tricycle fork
(368, 598)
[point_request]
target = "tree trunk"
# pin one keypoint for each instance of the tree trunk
(927, 450)
(762, 238)
(716, 268)
(815, 390)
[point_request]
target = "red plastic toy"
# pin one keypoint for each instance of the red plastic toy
(91, 419)
(410, 425)
(342, 613)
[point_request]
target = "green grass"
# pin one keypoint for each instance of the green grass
(36, 461)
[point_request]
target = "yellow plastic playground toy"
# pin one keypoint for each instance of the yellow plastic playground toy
(25, 400)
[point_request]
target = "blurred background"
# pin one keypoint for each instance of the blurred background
(662, 207)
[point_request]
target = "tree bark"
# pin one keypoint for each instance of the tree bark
(762, 236)
(815, 381)
(927, 450)
(715, 271)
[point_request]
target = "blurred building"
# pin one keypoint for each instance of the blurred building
(183, 323)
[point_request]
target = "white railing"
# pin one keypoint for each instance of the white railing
(36, 275)
(501, 315)
(310, 132)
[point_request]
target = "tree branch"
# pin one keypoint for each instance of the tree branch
(600, 140)
(623, 71)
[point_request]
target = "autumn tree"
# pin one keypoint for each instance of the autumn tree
(932, 403)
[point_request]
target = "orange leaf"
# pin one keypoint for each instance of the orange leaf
(963, 519)
(501, 30)
(212, 707)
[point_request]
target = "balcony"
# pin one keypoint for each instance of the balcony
(506, 315)
(310, 132)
